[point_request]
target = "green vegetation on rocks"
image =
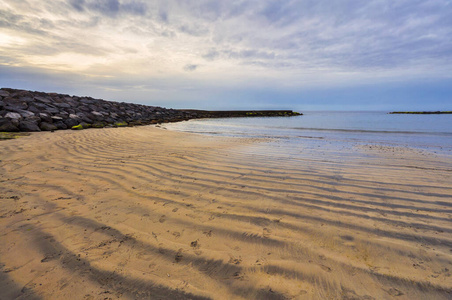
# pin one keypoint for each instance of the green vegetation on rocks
(77, 127)
(12, 135)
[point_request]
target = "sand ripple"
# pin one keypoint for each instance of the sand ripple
(139, 213)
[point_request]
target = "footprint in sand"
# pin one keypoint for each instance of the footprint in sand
(162, 219)
(234, 260)
(179, 255)
(195, 244)
(325, 268)
(394, 292)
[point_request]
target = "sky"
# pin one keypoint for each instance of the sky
(227, 54)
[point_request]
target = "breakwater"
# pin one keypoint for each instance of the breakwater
(22, 110)
(420, 112)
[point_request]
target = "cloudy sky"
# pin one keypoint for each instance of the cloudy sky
(300, 54)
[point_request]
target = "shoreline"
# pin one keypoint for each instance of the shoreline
(141, 212)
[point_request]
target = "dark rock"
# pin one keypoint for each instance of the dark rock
(26, 113)
(62, 105)
(35, 119)
(4, 93)
(87, 119)
(15, 103)
(97, 114)
(45, 117)
(6, 125)
(26, 99)
(28, 126)
(2, 104)
(34, 109)
(60, 125)
(71, 122)
(86, 101)
(43, 99)
(47, 126)
(41, 106)
(52, 110)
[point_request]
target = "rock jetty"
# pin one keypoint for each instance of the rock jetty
(22, 110)
(421, 112)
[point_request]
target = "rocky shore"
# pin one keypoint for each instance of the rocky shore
(22, 110)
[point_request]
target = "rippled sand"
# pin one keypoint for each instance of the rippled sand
(146, 213)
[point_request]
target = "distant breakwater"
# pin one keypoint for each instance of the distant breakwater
(421, 112)
(27, 111)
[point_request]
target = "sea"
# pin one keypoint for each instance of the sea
(338, 132)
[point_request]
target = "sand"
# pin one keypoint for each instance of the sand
(146, 213)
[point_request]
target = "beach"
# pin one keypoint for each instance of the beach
(148, 213)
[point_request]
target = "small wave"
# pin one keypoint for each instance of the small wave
(371, 131)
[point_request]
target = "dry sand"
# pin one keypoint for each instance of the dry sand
(142, 212)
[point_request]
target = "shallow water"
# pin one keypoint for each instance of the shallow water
(335, 130)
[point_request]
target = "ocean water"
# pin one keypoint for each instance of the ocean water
(336, 131)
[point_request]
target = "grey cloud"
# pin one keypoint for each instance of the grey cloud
(190, 68)
(110, 7)
(212, 54)
(250, 53)
(135, 8)
(23, 23)
(194, 29)
(163, 16)
(79, 5)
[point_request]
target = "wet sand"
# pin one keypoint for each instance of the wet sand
(145, 213)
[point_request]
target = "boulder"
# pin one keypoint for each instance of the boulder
(60, 125)
(13, 115)
(7, 125)
(45, 117)
(71, 122)
(34, 109)
(47, 126)
(62, 105)
(97, 114)
(15, 104)
(26, 113)
(42, 99)
(4, 93)
(51, 110)
(29, 126)
(87, 119)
